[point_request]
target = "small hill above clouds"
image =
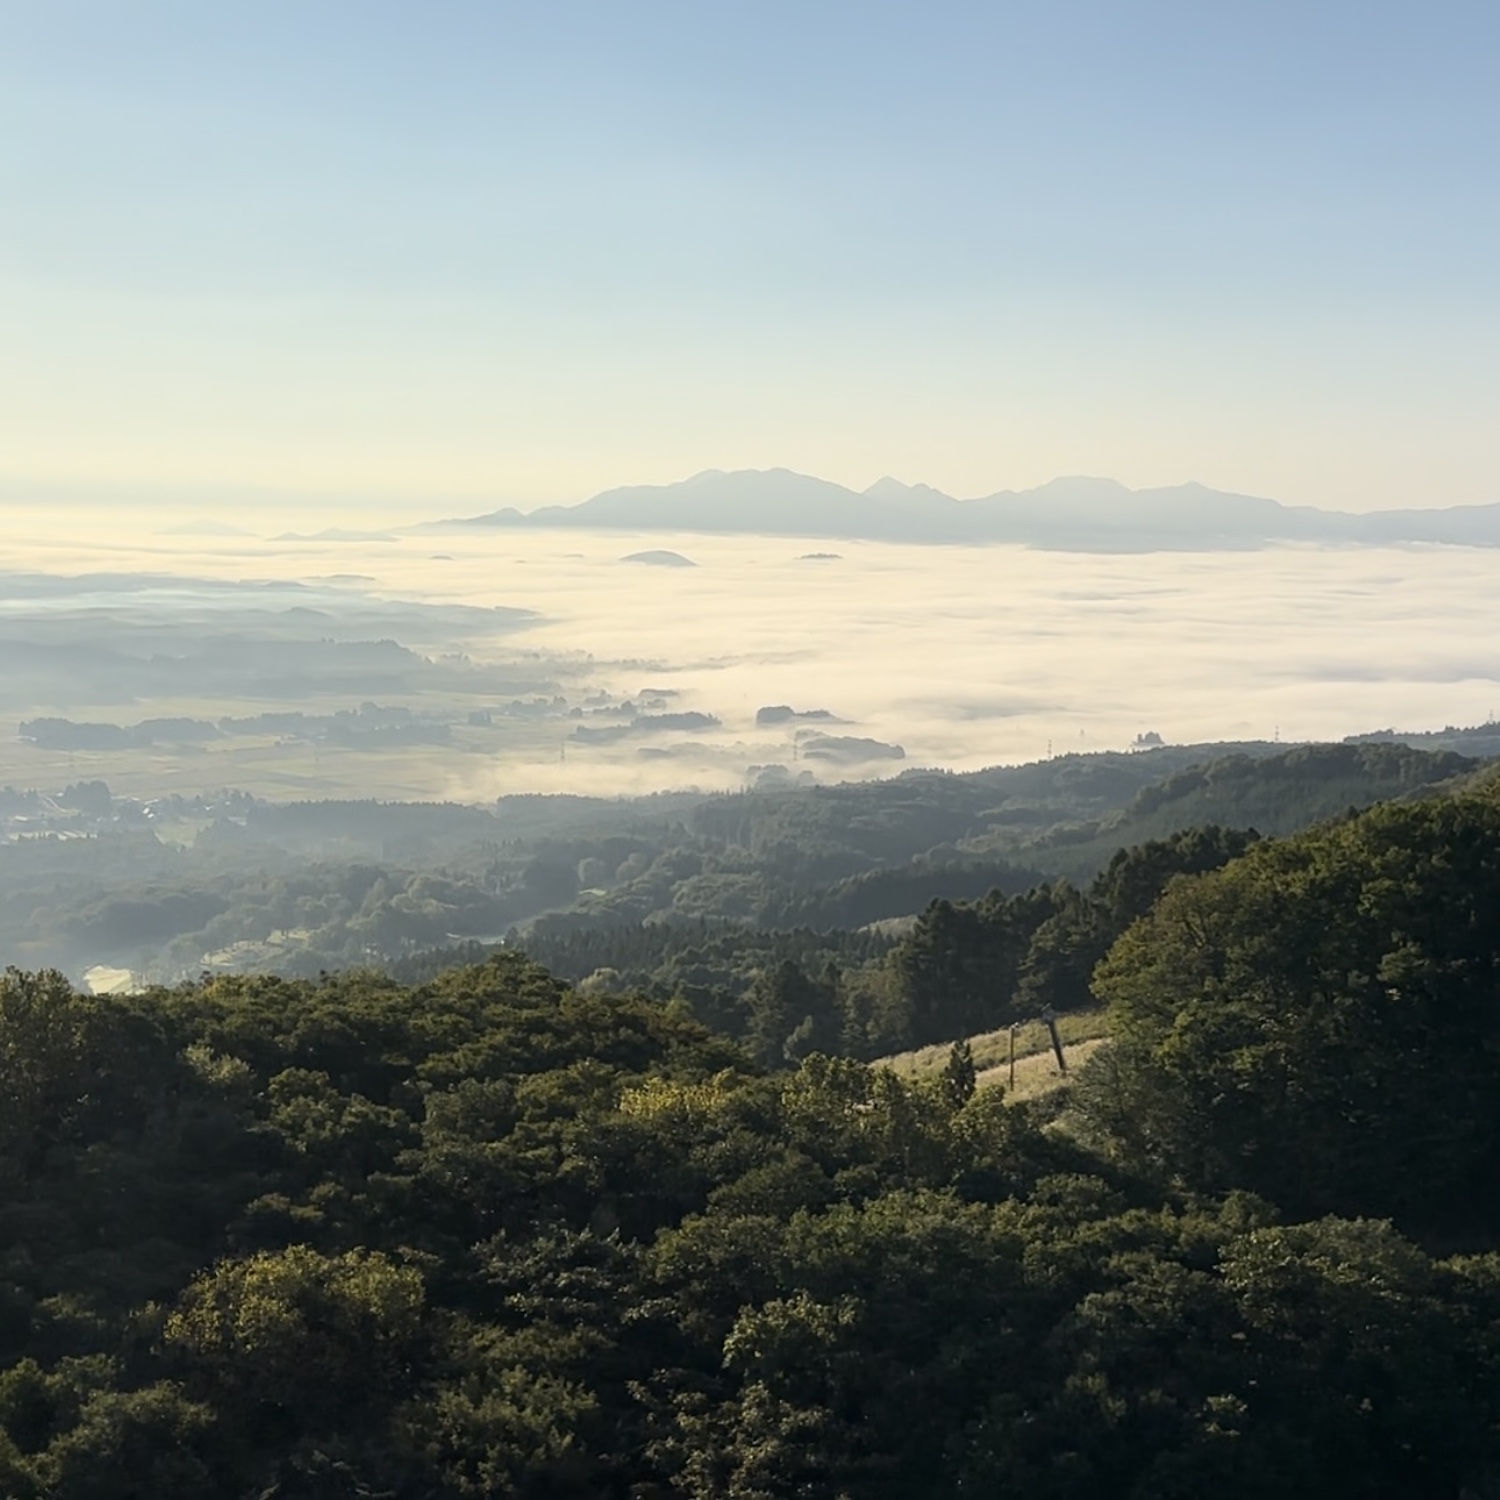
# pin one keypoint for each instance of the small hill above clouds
(1077, 513)
(660, 558)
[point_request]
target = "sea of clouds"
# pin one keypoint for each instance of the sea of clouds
(965, 656)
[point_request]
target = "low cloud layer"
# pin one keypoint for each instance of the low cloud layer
(963, 656)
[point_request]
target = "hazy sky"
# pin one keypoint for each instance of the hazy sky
(520, 252)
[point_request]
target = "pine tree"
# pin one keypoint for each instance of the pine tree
(960, 1078)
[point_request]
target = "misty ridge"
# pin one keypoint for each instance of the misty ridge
(162, 887)
(1074, 513)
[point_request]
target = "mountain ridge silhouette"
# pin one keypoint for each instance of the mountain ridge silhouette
(1075, 512)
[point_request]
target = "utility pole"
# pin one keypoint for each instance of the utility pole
(1049, 1016)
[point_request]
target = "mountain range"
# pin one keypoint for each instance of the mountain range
(1082, 514)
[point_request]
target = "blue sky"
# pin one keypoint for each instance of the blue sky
(523, 252)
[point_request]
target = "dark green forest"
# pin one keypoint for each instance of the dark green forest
(480, 1231)
(169, 888)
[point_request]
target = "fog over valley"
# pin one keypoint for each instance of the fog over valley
(493, 661)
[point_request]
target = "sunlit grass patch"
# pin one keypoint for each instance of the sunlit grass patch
(991, 1049)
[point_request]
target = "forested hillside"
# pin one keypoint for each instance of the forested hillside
(166, 889)
(956, 969)
(489, 1234)
(981, 942)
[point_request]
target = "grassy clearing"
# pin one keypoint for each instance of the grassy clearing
(991, 1049)
(1036, 1066)
(1038, 1073)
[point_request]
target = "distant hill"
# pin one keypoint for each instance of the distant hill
(1274, 794)
(1069, 514)
(657, 557)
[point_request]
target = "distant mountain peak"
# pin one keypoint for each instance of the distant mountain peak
(889, 488)
(1076, 512)
(1071, 488)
